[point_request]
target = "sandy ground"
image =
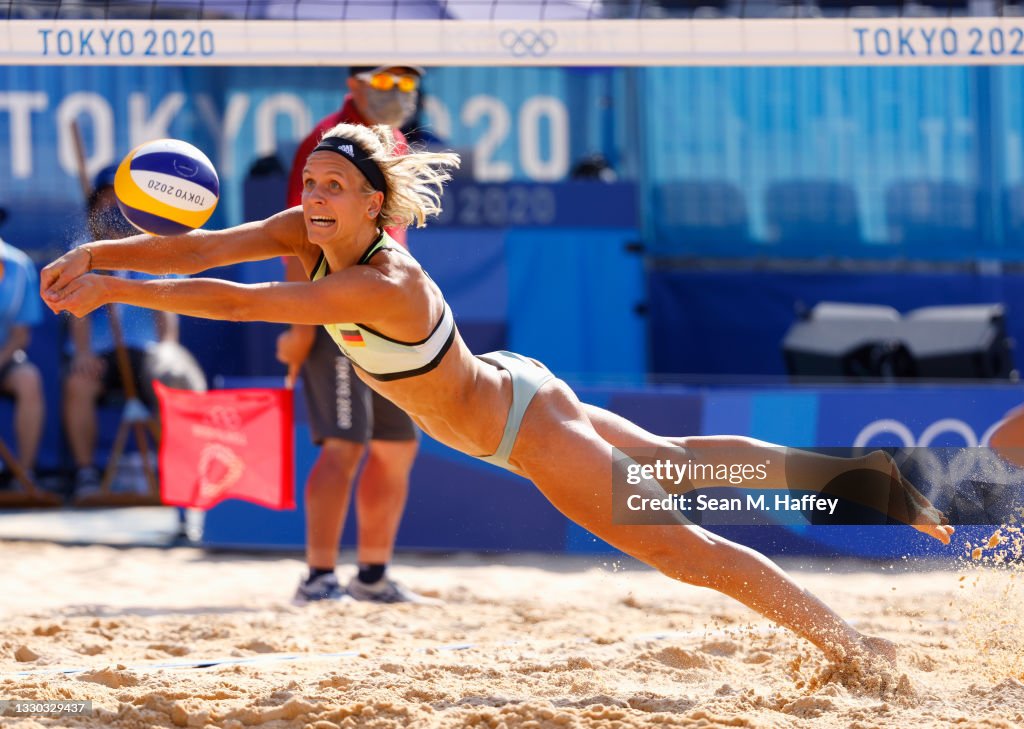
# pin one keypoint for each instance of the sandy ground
(528, 642)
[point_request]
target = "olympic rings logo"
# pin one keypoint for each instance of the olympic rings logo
(945, 466)
(952, 426)
(528, 42)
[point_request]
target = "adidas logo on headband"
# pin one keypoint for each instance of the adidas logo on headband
(357, 156)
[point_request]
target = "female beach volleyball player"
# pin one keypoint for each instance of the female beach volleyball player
(500, 407)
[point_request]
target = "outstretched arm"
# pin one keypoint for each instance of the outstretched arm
(199, 250)
(356, 294)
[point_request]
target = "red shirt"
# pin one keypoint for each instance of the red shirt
(347, 114)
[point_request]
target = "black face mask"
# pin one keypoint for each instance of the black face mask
(109, 223)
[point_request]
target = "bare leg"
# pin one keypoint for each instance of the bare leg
(622, 433)
(25, 384)
(80, 393)
(328, 490)
(570, 463)
(380, 499)
(790, 468)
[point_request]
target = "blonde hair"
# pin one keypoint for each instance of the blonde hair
(414, 180)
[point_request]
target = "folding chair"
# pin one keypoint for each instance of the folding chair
(135, 417)
(29, 495)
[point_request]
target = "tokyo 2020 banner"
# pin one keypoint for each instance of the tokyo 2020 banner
(662, 42)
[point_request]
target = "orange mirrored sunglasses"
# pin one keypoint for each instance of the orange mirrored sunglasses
(384, 81)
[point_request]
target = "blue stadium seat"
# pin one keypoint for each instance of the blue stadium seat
(933, 218)
(811, 217)
(701, 217)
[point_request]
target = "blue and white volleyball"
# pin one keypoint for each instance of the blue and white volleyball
(166, 187)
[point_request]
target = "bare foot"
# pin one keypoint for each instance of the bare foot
(920, 513)
(942, 532)
(880, 647)
(923, 516)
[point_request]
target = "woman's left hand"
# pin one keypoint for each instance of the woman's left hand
(81, 296)
(61, 272)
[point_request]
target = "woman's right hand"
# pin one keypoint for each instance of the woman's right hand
(294, 343)
(293, 346)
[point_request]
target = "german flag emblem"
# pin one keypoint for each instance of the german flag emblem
(352, 338)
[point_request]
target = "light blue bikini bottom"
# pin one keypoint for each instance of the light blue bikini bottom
(527, 378)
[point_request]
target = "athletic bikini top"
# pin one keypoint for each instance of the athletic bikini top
(380, 356)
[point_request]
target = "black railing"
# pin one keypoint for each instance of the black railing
(495, 9)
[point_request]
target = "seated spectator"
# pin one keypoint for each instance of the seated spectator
(20, 310)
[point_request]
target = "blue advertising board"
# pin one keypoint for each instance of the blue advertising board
(457, 502)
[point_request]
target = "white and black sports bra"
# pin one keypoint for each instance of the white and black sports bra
(380, 356)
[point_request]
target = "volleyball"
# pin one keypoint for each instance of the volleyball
(166, 187)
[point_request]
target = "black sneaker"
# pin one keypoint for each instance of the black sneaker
(324, 587)
(387, 591)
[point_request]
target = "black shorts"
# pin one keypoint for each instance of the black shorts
(110, 381)
(341, 405)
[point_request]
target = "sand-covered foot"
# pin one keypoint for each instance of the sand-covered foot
(871, 671)
(881, 647)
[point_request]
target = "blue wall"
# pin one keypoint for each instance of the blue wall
(564, 287)
(919, 161)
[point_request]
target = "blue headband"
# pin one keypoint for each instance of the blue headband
(351, 151)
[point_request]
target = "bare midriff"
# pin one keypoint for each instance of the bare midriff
(463, 402)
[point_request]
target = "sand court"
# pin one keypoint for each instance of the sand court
(181, 637)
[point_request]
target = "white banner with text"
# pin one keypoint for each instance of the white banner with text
(719, 42)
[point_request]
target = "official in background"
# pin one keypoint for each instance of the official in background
(348, 419)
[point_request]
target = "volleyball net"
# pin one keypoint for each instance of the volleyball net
(566, 33)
